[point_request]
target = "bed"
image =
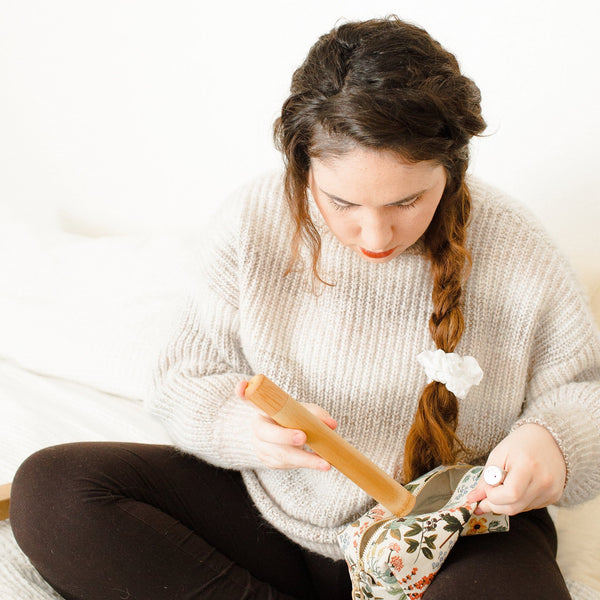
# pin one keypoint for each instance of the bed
(82, 320)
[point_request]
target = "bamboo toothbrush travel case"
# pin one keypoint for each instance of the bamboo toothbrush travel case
(396, 558)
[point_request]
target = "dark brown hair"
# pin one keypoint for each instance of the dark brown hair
(385, 84)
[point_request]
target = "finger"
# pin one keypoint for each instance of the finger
(266, 430)
(477, 493)
(322, 414)
(240, 388)
(484, 507)
(511, 497)
(514, 488)
(258, 411)
(278, 456)
(493, 475)
(529, 501)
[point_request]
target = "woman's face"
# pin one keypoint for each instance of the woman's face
(374, 202)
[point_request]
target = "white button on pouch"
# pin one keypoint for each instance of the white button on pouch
(493, 475)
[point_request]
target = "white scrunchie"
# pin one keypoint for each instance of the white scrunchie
(457, 373)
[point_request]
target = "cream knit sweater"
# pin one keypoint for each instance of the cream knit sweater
(352, 349)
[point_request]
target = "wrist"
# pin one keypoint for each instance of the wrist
(540, 430)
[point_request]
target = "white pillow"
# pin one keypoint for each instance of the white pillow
(42, 215)
(91, 310)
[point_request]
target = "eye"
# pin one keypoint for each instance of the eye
(408, 205)
(341, 206)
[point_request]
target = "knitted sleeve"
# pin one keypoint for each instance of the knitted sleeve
(563, 392)
(193, 385)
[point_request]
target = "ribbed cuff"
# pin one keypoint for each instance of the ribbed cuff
(546, 425)
(232, 434)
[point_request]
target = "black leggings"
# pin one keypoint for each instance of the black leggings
(143, 522)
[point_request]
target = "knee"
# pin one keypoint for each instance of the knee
(40, 488)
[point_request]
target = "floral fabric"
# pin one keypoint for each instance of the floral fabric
(396, 558)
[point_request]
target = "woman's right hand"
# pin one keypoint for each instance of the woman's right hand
(282, 448)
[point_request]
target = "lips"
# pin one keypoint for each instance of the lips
(377, 254)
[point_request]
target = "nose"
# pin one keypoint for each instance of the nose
(376, 232)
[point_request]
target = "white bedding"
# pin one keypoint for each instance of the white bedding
(38, 411)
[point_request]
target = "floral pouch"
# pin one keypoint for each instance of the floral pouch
(392, 557)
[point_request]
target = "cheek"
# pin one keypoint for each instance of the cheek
(342, 226)
(345, 229)
(413, 224)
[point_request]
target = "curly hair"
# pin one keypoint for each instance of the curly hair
(386, 85)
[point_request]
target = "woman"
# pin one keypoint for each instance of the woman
(372, 247)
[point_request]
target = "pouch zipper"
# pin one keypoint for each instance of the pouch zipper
(371, 531)
(367, 537)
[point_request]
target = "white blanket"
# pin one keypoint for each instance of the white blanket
(38, 411)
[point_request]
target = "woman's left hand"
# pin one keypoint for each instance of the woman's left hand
(536, 473)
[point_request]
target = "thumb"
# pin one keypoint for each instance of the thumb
(478, 493)
(496, 457)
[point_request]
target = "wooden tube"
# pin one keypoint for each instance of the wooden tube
(4, 500)
(283, 409)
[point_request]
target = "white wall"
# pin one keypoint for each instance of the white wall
(126, 115)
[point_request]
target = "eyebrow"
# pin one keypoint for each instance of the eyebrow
(403, 201)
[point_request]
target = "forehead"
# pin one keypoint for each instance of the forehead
(373, 176)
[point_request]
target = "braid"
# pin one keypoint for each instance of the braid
(385, 84)
(432, 438)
